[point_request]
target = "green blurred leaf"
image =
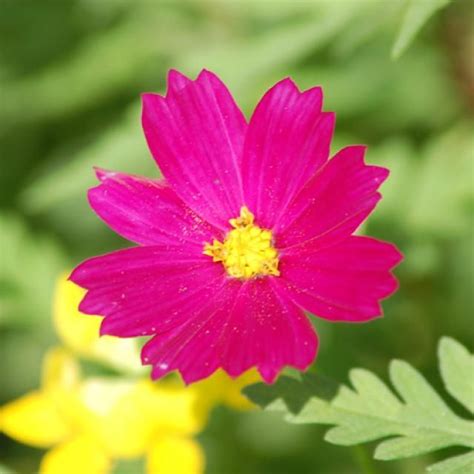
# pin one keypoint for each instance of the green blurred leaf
(443, 196)
(382, 97)
(374, 18)
(419, 423)
(262, 53)
(429, 192)
(108, 63)
(418, 12)
(30, 265)
(122, 148)
(6, 470)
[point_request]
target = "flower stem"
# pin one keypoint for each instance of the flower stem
(363, 460)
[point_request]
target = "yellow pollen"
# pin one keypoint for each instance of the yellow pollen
(247, 250)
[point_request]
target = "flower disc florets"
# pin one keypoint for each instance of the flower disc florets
(247, 250)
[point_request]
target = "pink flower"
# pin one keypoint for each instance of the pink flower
(252, 225)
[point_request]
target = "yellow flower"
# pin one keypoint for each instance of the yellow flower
(88, 423)
(220, 389)
(91, 422)
(80, 332)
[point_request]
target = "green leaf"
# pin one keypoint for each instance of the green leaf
(457, 371)
(417, 421)
(418, 12)
(323, 21)
(104, 65)
(444, 185)
(29, 269)
(113, 150)
(463, 464)
(5, 470)
(436, 181)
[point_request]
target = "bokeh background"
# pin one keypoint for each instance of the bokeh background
(71, 73)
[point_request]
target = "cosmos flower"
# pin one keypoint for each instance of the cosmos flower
(251, 226)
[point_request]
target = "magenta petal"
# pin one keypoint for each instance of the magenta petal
(196, 136)
(147, 211)
(194, 348)
(344, 282)
(243, 326)
(288, 140)
(143, 290)
(176, 82)
(332, 204)
(267, 331)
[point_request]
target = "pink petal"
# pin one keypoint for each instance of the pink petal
(196, 136)
(195, 347)
(332, 204)
(245, 325)
(267, 330)
(144, 290)
(288, 140)
(176, 82)
(344, 282)
(147, 211)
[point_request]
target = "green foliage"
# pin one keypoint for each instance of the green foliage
(456, 465)
(112, 150)
(436, 180)
(418, 422)
(71, 74)
(30, 265)
(5, 470)
(418, 12)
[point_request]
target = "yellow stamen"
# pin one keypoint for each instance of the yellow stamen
(247, 250)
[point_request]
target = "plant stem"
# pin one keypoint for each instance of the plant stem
(363, 460)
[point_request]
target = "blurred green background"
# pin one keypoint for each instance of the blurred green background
(71, 73)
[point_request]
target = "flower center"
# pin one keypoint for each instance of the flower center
(247, 250)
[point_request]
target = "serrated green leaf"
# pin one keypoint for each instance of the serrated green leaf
(418, 12)
(457, 371)
(415, 390)
(397, 448)
(419, 422)
(463, 464)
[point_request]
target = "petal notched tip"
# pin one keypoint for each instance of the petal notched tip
(150, 102)
(76, 275)
(396, 255)
(176, 82)
(287, 90)
(103, 174)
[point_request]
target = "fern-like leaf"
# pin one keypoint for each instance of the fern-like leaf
(413, 421)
